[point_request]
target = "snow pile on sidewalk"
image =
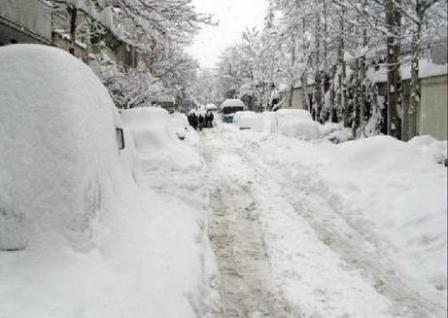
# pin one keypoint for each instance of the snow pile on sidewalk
(393, 193)
(397, 195)
(288, 122)
(97, 245)
(296, 123)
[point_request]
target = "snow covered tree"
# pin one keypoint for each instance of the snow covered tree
(157, 30)
(71, 11)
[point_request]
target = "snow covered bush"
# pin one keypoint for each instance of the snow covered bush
(59, 157)
(296, 123)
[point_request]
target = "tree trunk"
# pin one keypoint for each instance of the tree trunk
(317, 105)
(293, 63)
(342, 77)
(415, 89)
(73, 12)
(356, 98)
(324, 115)
(333, 111)
(304, 79)
(363, 77)
(393, 23)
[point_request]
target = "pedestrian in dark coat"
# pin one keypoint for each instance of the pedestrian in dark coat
(206, 119)
(200, 122)
(211, 117)
(193, 120)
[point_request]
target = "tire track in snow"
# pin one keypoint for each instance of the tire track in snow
(235, 234)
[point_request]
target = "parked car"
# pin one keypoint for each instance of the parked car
(62, 146)
(156, 141)
(180, 125)
(229, 108)
(246, 120)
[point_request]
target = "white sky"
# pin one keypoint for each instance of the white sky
(233, 17)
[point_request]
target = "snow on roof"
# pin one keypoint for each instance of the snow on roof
(211, 107)
(232, 103)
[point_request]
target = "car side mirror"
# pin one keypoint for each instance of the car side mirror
(120, 138)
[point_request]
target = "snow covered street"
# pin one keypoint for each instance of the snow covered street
(236, 236)
(284, 251)
(223, 159)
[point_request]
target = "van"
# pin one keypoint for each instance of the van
(229, 108)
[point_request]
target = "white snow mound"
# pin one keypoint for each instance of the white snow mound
(296, 123)
(58, 144)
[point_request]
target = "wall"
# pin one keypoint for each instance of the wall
(296, 98)
(31, 14)
(297, 101)
(432, 115)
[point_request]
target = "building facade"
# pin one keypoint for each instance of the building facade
(25, 21)
(36, 22)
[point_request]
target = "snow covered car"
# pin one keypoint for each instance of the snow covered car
(61, 147)
(296, 123)
(179, 123)
(229, 108)
(156, 142)
(246, 120)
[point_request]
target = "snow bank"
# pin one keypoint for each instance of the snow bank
(156, 141)
(431, 148)
(398, 193)
(296, 123)
(392, 192)
(335, 132)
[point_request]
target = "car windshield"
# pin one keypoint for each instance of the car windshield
(231, 109)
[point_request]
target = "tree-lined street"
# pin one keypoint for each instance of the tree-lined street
(223, 159)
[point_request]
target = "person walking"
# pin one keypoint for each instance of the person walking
(193, 120)
(207, 120)
(200, 122)
(211, 117)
